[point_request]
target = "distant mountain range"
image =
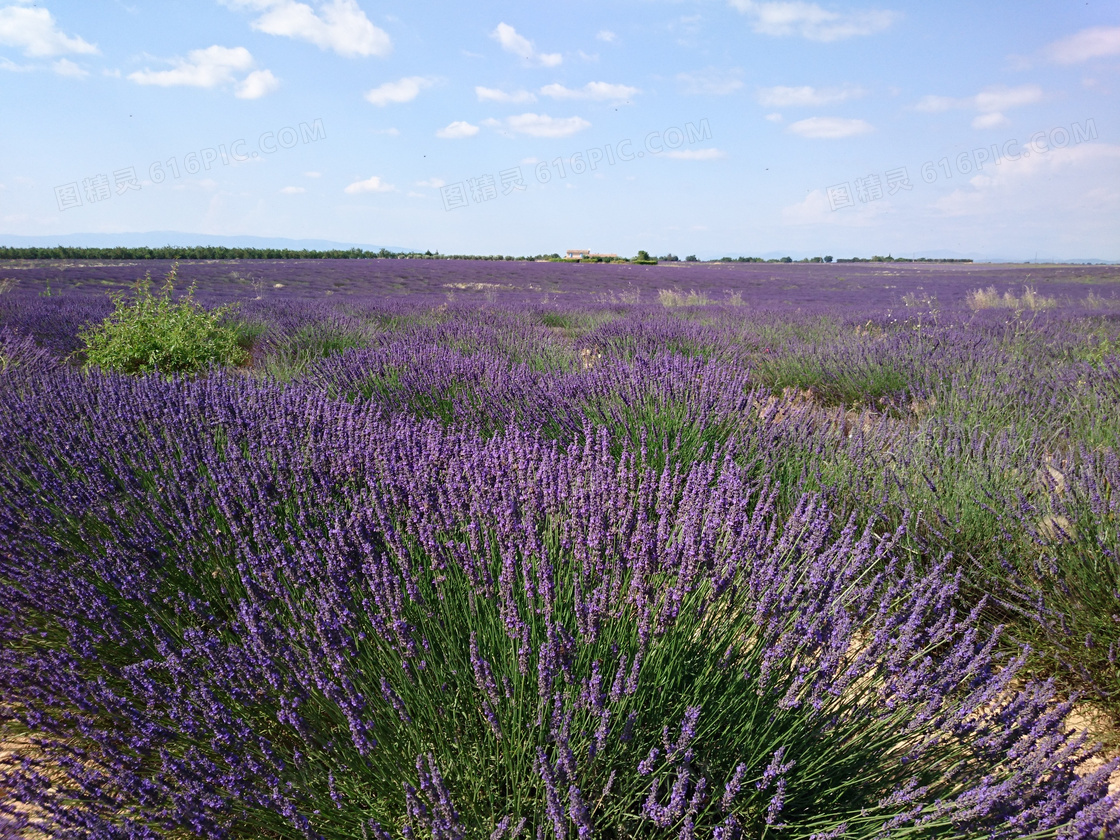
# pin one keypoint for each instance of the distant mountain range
(159, 238)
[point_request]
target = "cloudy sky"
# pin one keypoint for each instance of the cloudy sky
(714, 127)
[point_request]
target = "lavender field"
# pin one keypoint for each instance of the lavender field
(471, 549)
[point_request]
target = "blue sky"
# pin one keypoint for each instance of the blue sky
(709, 127)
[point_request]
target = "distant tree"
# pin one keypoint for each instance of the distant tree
(828, 259)
(691, 258)
(787, 259)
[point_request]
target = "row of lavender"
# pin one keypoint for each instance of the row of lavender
(553, 570)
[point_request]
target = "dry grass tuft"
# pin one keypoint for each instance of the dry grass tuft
(989, 298)
(668, 297)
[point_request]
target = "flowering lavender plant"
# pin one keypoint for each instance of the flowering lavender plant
(231, 609)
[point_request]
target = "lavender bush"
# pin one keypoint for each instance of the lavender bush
(239, 610)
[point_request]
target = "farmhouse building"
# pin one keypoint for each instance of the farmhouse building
(579, 255)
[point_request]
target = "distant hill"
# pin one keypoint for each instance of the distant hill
(159, 238)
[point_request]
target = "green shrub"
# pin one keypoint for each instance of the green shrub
(154, 332)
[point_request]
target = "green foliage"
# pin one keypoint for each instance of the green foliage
(874, 383)
(308, 344)
(153, 332)
(1096, 354)
(574, 323)
(247, 334)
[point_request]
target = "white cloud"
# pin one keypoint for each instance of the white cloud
(337, 25)
(774, 117)
(934, 104)
(34, 31)
(432, 183)
(511, 42)
(993, 120)
(1095, 42)
(11, 66)
(257, 84)
(312, 174)
(457, 130)
(989, 104)
(486, 94)
(402, 90)
(209, 68)
(805, 96)
(830, 128)
(66, 67)
(688, 28)
(606, 35)
(1002, 98)
(1063, 182)
(293, 190)
(812, 21)
(542, 125)
(815, 209)
(711, 82)
(599, 91)
(370, 185)
(694, 154)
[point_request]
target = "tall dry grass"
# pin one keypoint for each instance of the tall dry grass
(989, 298)
(669, 298)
